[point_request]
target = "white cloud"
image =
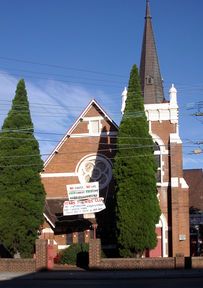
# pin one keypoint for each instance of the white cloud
(54, 106)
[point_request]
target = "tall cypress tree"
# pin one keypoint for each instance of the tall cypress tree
(21, 191)
(135, 175)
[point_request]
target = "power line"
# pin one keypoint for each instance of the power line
(59, 66)
(181, 87)
(26, 131)
(10, 59)
(71, 161)
(63, 81)
(72, 107)
(59, 75)
(109, 149)
(102, 143)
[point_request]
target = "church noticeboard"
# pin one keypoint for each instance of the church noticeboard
(77, 207)
(83, 191)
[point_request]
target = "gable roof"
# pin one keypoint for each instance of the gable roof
(93, 102)
(53, 213)
(194, 179)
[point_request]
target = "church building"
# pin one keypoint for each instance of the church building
(85, 154)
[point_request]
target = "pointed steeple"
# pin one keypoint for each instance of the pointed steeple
(151, 81)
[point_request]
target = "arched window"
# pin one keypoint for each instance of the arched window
(157, 155)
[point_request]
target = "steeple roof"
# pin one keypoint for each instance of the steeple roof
(151, 81)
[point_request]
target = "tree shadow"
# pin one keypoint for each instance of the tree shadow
(102, 173)
(4, 253)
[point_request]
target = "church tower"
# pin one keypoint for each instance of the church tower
(173, 227)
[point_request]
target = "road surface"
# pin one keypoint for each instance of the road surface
(103, 280)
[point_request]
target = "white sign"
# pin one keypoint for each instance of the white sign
(89, 216)
(76, 207)
(83, 191)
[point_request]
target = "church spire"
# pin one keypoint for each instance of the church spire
(151, 81)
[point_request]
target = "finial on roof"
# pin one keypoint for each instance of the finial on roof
(147, 10)
(173, 95)
(173, 89)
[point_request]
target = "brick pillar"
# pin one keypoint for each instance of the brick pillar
(41, 254)
(179, 261)
(94, 253)
(75, 237)
(179, 203)
(87, 236)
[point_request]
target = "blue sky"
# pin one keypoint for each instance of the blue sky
(70, 51)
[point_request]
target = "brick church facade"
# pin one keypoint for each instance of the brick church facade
(86, 153)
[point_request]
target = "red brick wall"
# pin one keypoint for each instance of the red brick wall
(41, 254)
(133, 263)
(179, 204)
(174, 201)
(96, 262)
(197, 262)
(17, 265)
(69, 155)
(27, 265)
(163, 129)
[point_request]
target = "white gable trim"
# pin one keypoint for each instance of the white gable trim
(54, 175)
(68, 133)
(87, 135)
(87, 119)
(86, 110)
(48, 220)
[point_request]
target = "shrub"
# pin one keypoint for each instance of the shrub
(75, 254)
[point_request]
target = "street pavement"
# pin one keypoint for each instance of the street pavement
(107, 279)
(117, 274)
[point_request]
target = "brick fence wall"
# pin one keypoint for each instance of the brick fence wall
(96, 262)
(27, 265)
(40, 262)
(17, 265)
(142, 263)
(197, 262)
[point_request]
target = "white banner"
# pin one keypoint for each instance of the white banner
(83, 191)
(75, 207)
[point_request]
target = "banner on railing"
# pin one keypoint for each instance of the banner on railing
(77, 207)
(83, 191)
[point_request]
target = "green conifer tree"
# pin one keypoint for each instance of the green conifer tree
(134, 171)
(21, 191)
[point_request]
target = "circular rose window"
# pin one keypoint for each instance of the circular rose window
(95, 169)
